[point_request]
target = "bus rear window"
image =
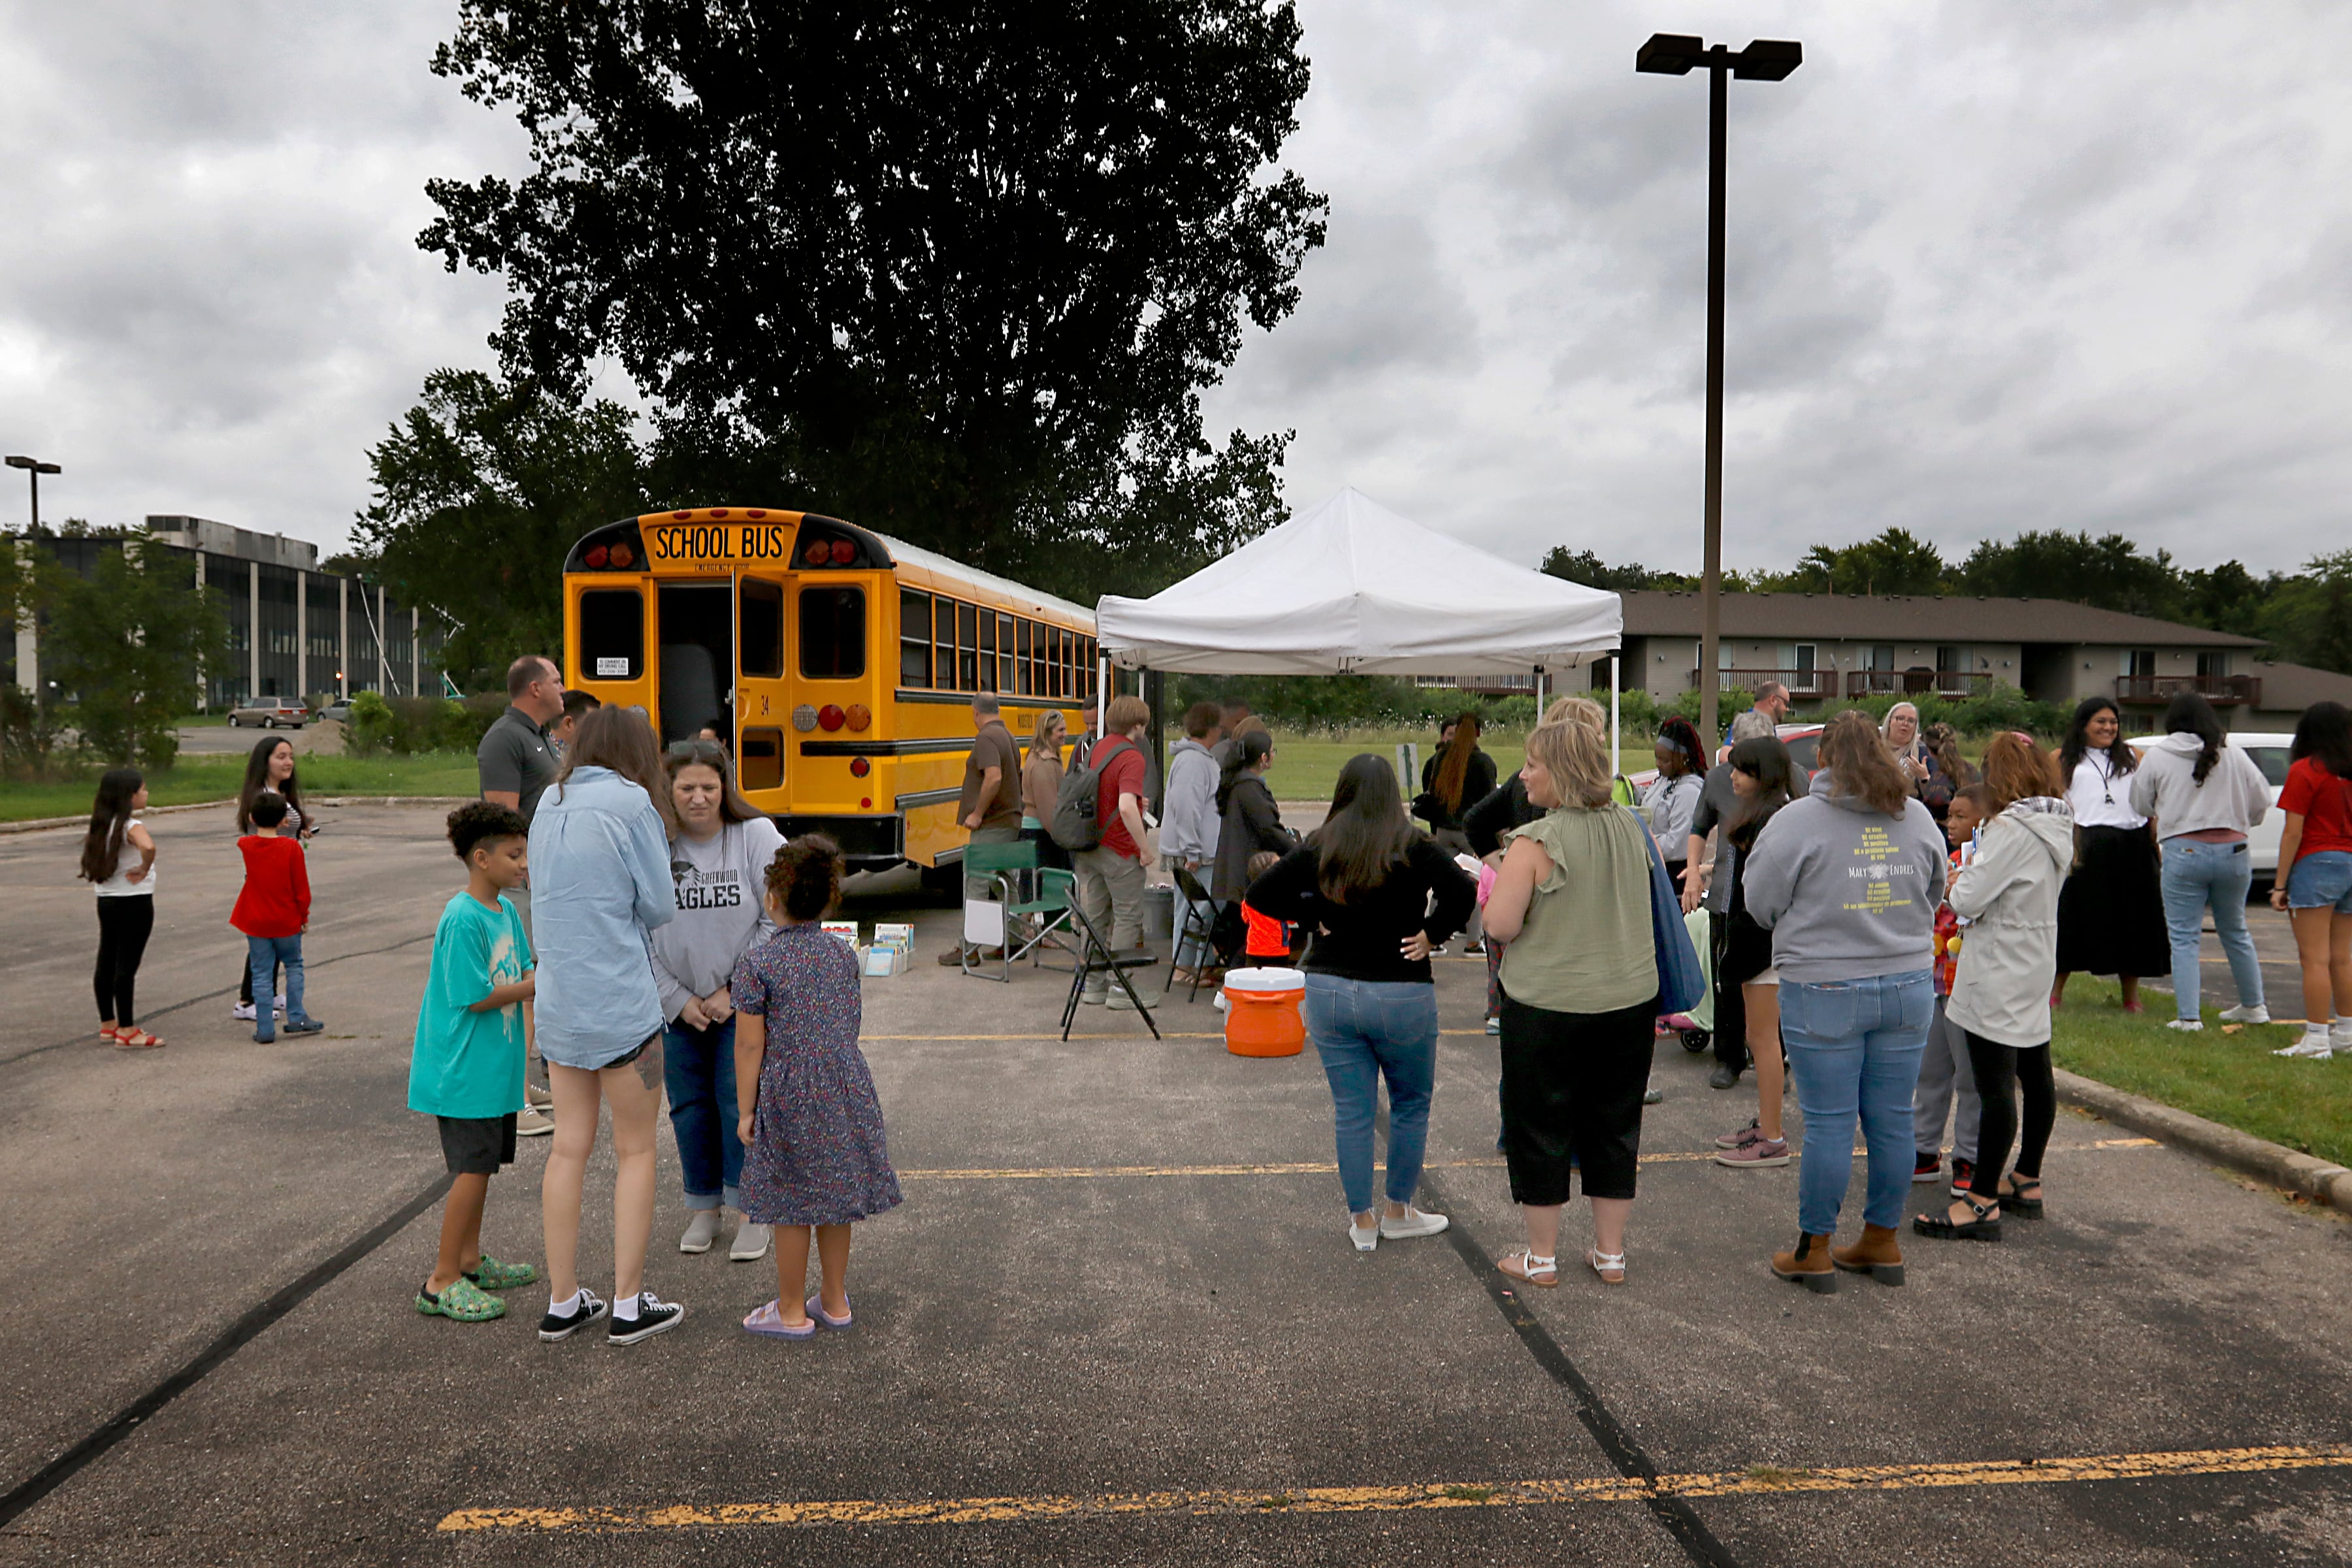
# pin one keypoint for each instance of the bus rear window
(832, 633)
(612, 635)
(759, 627)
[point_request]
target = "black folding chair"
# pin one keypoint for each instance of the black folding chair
(1096, 957)
(1195, 926)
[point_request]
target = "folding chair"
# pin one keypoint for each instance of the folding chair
(1096, 957)
(1044, 922)
(1193, 925)
(986, 921)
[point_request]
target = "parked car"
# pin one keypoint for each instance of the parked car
(2271, 751)
(340, 710)
(270, 713)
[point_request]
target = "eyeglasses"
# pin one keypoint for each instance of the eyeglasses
(697, 752)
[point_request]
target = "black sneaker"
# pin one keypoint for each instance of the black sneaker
(553, 1328)
(653, 1317)
(1963, 1173)
(1927, 1167)
(304, 1027)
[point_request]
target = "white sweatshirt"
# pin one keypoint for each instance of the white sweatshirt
(720, 885)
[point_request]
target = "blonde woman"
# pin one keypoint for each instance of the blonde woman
(1040, 782)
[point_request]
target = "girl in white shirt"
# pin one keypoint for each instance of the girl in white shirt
(118, 856)
(2111, 911)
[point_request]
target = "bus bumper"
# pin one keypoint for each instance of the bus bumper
(867, 843)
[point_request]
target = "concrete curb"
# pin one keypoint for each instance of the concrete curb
(2281, 1166)
(39, 824)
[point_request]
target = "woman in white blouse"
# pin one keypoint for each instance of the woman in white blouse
(2111, 913)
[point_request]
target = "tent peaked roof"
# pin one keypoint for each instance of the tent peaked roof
(1350, 587)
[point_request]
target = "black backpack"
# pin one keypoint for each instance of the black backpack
(1075, 824)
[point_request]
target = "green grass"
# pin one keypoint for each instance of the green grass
(196, 779)
(2229, 1079)
(1306, 767)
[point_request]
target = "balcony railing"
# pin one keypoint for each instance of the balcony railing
(2218, 688)
(1803, 684)
(1918, 682)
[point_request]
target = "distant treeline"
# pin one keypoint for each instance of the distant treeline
(2306, 616)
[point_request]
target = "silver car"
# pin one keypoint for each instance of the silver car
(269, 713)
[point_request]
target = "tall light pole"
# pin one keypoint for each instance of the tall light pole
(1766, 59)
(33, 469)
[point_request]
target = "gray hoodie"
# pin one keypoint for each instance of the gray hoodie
(2009, 888)
(2234, 796)
(1848, 893)
(1188, 821)
(720, 887)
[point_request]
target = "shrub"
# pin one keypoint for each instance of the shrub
(370, 730)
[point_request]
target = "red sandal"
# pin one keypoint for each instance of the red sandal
(138, 1040)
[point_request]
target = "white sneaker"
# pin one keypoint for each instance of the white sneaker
(750, 1243)
(2245, 1014)
(700, 1231)
(278, 1001)
(1119, 1003)
(1365, 1239)
(2186, 1025)
(1409, 1224)
(244, 1010)
(2339, 1034)
(2315, 1046)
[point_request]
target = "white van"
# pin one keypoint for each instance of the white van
(2269, 750)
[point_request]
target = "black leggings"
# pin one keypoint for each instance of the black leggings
(123, 926)
(1572, 1086)
(1998, 1069)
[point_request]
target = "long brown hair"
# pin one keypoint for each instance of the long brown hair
(1454, 772)
(620, 739)
(257, 780)
(2015, 769)
(109, 819)
(1367, 836)
(1859, 765)
(1040, 742)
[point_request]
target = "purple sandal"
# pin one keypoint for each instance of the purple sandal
(767, 1322)
(815, 1306)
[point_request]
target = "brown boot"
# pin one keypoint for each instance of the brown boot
(1875, 1254)
(1808, 1265)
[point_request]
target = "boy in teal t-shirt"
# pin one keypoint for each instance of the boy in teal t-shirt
(473, 1029)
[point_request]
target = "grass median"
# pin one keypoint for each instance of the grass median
(2232, 1079)
(195, 779)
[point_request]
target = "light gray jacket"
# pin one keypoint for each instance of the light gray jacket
(2008, 957)
(721, 889)
(1848, 893)
(2234, 794)
(1188, 822)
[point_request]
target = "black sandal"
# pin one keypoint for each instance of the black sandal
(2015, 1201)
(1941, 1227)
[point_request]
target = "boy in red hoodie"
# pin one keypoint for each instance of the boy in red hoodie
(273, 911)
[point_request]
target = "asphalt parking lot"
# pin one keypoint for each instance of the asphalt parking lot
(1115, 1322)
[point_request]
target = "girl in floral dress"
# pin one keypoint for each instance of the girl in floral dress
(814, 1157)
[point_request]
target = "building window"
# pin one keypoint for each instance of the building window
(2214, 666)
(832, 633)
(1882, 656)
(1951, 659)
(2140, 663)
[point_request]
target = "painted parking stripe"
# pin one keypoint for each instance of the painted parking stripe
(1758, 1480)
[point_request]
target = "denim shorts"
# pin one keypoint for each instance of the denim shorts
(2321, 881)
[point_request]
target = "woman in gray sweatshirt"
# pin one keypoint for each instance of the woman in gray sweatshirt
(1847, 880)
(2205, 797)
(719, 872)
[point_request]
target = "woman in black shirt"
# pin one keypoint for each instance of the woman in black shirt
(1379, 896)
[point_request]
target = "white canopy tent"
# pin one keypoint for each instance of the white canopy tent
(1351, 588)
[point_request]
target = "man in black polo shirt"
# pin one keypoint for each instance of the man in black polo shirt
(516, 765)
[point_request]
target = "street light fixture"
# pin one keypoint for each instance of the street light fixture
(1766, 59)
(33, 469)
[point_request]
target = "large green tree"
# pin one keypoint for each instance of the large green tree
(128, 647)
(957, 272)
(2110, 572)
(1893, 562)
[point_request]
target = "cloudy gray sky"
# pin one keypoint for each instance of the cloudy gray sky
(1991, 267)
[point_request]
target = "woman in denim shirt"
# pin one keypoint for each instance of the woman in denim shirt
(601, 882)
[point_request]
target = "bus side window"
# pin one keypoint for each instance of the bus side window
(914, 638)
(612, 635)
(832, 633)
(1022, 679)
(943, 642)
(987, 652)
(1005, 653)
(967, 647)
(760, 628)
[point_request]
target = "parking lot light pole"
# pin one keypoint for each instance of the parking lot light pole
(1766, 59)
(33, 469)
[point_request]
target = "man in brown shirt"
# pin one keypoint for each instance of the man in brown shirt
(990, 805)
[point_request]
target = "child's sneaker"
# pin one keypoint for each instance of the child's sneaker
(2242, 1014)
(654, 1317)
(463, 1301)
(562, 1326)
(243, 1013)
(493, 1275)
(1760, 1154)
(304, 1027)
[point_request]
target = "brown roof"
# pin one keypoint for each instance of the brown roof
(1903, 617)
(2291, 688)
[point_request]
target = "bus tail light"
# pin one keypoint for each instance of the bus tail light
(817, 553)
(830, 718)
(596, 556)
(844, 552)
(859, 767)
(622, 556)
(865, 805)
(859, 717)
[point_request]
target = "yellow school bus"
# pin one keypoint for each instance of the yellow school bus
(839, 663)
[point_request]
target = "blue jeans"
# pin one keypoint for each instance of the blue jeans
(699, 1069)
(1854, 1050)
(1363, 1030)
(262, 955)
(2198, 877)
(1194, 953)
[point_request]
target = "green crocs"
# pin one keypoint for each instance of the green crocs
(463, 1301)
(492, 1275)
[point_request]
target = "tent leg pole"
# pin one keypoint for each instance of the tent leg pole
(1616, 742)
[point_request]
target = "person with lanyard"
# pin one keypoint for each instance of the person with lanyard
(515, 763)
(2111, 910)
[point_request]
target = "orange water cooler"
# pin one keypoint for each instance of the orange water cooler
(1262, 1011)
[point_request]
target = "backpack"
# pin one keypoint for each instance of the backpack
(1077, 804)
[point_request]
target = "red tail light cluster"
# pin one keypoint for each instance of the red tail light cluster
(619, 557)
(817, 553)
(830, 718)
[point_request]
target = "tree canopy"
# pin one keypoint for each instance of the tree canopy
(954, 272)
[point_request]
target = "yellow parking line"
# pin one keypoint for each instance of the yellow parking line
(1757, 1479)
